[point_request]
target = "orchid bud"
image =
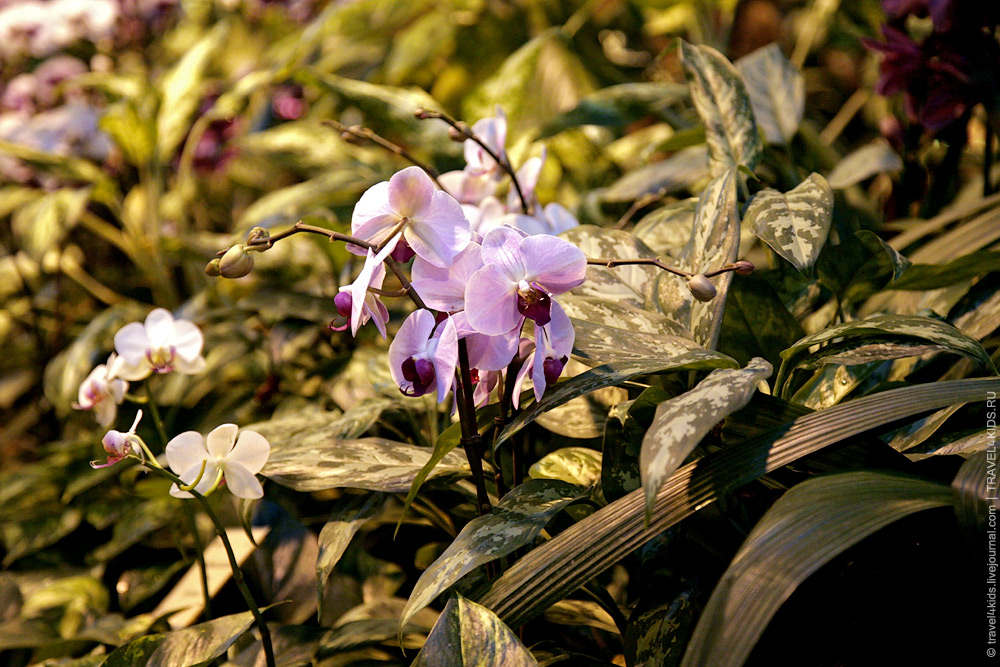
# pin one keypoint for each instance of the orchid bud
(236, 263)
(743, 267)
(701, 287)
(117, 444)
(212, 268)
(258, 235)
(456, 135)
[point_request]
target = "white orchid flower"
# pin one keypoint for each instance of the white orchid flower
(205, 461)
(161, 344)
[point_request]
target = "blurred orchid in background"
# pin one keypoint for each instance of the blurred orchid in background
(161, 344)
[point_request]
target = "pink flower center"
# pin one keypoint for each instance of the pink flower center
(161, 359)
(534, 303)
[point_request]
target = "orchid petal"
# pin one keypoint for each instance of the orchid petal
(410, 192)
(555, 263)
(160, 328)
(220, 441)
(186, 450)
(442, 233)
(444, 289)
(251, 451)
(187, 340)
(193, 367)
(502, 246)
(446, 358)
(241, 482)
(131, 342)
(490, 302)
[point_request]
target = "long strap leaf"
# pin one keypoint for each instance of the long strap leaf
(557, 568)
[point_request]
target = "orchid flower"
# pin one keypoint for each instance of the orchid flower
(356, 305)
(444, 289)
(431, 221)
(493, 132)
(162, 344)
(519, 277)
(102, 391)
(206, 461)
(118, 445)
(553, 345)
(423, 355)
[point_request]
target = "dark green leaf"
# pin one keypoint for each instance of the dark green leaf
(627, 424)
(513, 523)
(347, 518)
(933, 276)
(614, 374)
(199, 643)
(756, 322)
(860, 334)
(680, 423)
(468, 635)
(579, 553)
(860, 266)
(617, 106)
(805, 529)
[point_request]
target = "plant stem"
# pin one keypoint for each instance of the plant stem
(471, 440)
(465, 131)
(154, 411)
(359, 132)
(265, 634)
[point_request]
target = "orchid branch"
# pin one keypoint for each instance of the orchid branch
(465, 132)
(354, 133)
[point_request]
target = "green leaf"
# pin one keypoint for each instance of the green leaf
(66, 168)
(860, 266)
(375, 464)
(627, 424)
(132, 132)
(668, 229)
(777, 92)
(974, 489)
(612, 374)
(617, 106)
(200, 643)
(42, 224)
(315, 427)
(859, 334)
(27, 537)
(469, 635)
(678, 172)
(875, 158)
(575, 465)
(554, 569)
(142, 520)
(625, 297)
(514, 522)
(934, 276)
(722, 102)
(715, 242)
(346, 519)
(756, 322)
(804, 530)
(794, 224)
(536, 83)
(136, 652)
(656, 636)
(596, 343)
(292, 203)
(181, 90)
(680, 423)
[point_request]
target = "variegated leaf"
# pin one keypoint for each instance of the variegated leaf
(513, 523)
(369, 463)
(860, 333)
(680, 171)
(722, 102)
(777, 92)
(613, 374)
(874, 350)
(316, 427)
(804, 530)
(715, 242)
(583, 416)
(607, 314)
(680, 423)
(667, 230)
(348, 516)
(40, 225)
(200, 643)
(469, 635)
(599, 344)
(830, 384)
(875, 158)
(794, 224)
(576, 465)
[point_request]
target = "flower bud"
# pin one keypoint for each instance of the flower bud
(117, 444)
(236, 263)
(258, 235)
(456, 135)
(701, 287)
(212, 268)
(743, 267)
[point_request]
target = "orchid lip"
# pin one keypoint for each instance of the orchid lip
(420, 372)
(535, 304)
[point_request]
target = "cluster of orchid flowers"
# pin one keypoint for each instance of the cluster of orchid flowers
(481, 269)
(160, 345)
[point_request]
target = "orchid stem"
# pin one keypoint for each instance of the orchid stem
(154, 411)
(358, 132)
(265, 634)
(467, 132)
